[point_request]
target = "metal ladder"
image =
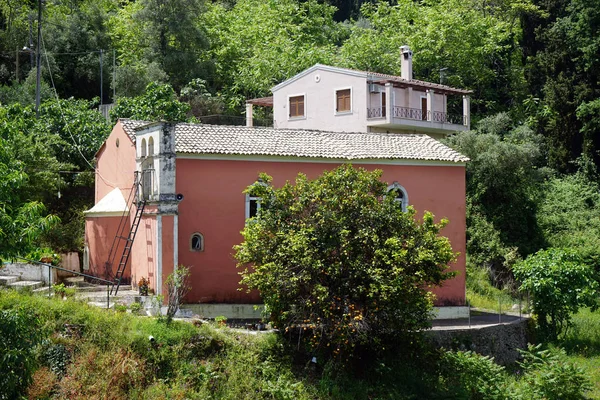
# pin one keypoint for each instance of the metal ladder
(125, 233)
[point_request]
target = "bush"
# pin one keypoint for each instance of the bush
(19, 335)
(337, 260)
(547, 376)
(472, 376)
(559, 283)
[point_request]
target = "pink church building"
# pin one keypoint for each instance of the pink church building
(190, 180)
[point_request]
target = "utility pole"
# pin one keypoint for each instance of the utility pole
(38, 61)
(17, 71)
(101, 89)
(114, 75)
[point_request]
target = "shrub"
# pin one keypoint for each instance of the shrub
(339, 261)
(560, 283)
(178, 285)
(547, 376)
(19, 335)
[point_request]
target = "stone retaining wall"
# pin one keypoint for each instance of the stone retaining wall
(499, 341)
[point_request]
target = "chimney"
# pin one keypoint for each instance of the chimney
(406, 62)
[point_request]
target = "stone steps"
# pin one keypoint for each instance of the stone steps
(15, 282)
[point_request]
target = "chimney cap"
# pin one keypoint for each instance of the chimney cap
(405, 49)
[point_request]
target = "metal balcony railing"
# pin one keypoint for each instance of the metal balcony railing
(417, 114)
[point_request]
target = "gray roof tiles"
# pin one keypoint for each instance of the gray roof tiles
(241, 140)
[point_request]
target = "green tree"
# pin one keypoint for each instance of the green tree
(257, 44)
(27, 171)
(563, 69)
(338, 257)
(173, 36)
(569, 216)
(158, 102)
(505, 184)
(560, 283)
(473, 44)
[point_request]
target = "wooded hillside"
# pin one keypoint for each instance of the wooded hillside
(534, 67)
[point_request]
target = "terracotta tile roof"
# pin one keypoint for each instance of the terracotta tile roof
(241, 140)
(130, 125)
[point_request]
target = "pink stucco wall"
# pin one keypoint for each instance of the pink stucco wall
(214, 205)
(115, 164)
(144, 251)
(115, 168)
(99, 235)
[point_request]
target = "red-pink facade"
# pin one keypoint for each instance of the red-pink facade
(214, 206)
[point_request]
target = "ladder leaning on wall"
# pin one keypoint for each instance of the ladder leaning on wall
(126, 234)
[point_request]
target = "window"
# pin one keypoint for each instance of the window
(197, 242)
(143, 149)
(343, 100)
(151, 146)
(253, 201)
(399, 193)
(296, 106)
(383, 104)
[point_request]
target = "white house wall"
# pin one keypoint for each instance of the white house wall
(319, 90)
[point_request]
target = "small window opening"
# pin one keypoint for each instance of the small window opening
(197, 242)
(144, 153)
(151, 146)
(253, 202)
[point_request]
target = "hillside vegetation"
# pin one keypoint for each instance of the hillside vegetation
(55, 349)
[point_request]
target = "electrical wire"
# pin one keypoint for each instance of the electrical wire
(109, 183)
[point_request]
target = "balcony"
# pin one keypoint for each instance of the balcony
(404, 118)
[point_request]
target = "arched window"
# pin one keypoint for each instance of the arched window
(253, 201)
(399, 193)
(143, 149)
(197, 242)
(151, 146)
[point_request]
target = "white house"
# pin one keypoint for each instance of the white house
(344, 100)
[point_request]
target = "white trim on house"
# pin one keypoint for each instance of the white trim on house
(265, 158)
(289, 117)
(158, 273)
(335, 110)
(321, 67)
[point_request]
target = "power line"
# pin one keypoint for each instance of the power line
(109, 183)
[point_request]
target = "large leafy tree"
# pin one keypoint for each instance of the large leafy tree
(339, 257)
(505, 183)
(563, 70)
(461, 43)
(158, 102)
(26, 170)
(257, 44)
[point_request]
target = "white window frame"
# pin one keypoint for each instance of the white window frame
(250, 198)
(396, 186)
(201, 249)
(335, 92)
(290, 118)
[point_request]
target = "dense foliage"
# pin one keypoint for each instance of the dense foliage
(83, 352)
(19, 335)
(559, 283)
(338, 256)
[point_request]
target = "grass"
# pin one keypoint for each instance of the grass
(481, 294)
(582, 343)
